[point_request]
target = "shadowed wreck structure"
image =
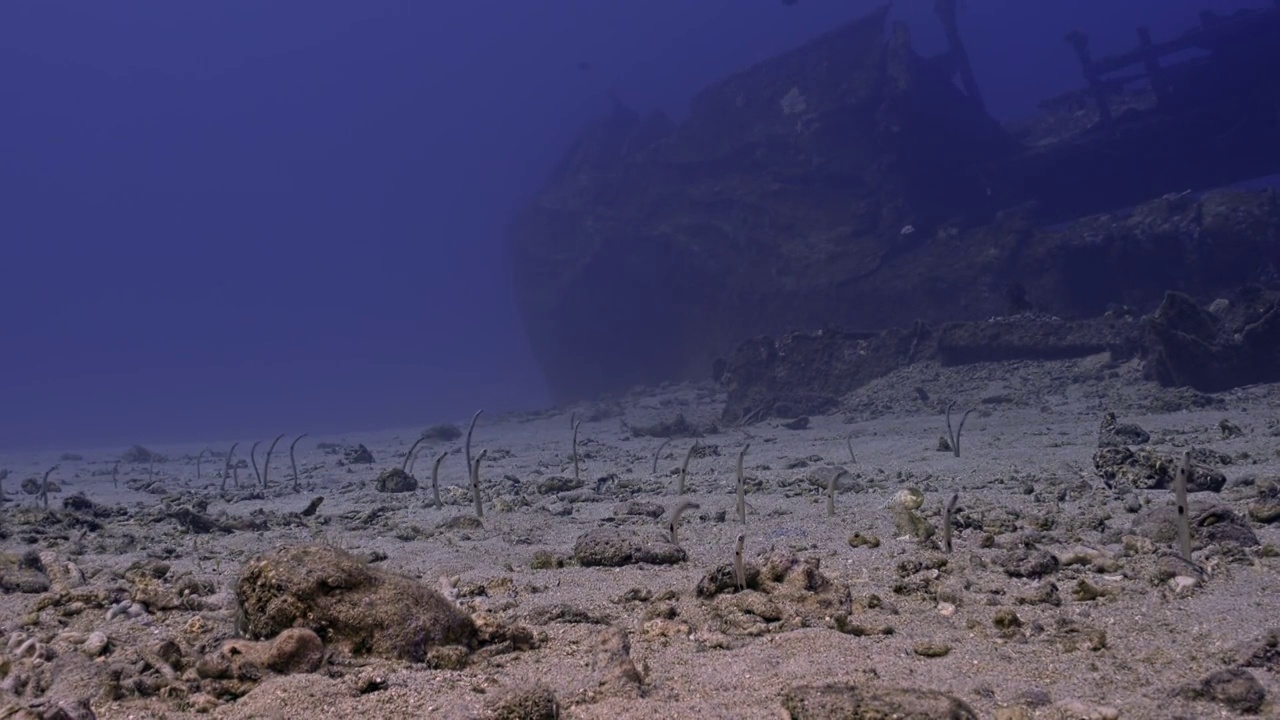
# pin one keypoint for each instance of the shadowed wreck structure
(852, 182)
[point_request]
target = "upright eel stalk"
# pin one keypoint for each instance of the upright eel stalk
(253, 458)
(955, 436)
(684, 468)
(471, 429)
(435, 480)
(831, 491)
(676, 512)
(658, 454)
(947, 516)
(412, 449)
(266, 462)
(575, 449)
(44, 486)
(739, 565)
(293, 462)
(475, 483)
(226, 468)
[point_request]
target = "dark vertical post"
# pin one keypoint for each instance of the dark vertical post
(946, 11)
(1080, 43)
(1151, 62)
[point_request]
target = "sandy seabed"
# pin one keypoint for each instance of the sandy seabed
(1104, 633)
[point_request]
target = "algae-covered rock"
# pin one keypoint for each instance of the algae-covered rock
(362, 610)
(810, 702)
(611, 547)
(395, 480)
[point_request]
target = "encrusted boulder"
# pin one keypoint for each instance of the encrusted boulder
(782, 592)
(296, 650)
(350, 605)
(1145, 469)
(818, 702)
(614, 547)
(1113, 433)
(395, 480)
(357, 455)
(1214, 351)
(1210, 524)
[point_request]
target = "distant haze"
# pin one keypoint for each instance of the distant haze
(236, 218)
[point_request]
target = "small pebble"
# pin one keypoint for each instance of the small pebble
(96, 644)
(931, 649)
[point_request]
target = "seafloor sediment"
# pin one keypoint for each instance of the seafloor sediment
(1063, 596)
